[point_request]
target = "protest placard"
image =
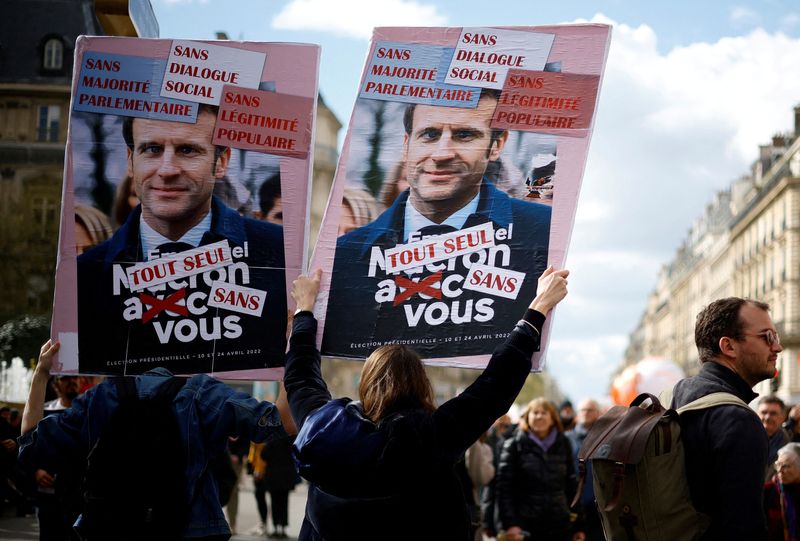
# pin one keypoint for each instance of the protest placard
(456, 187)
(177, 150)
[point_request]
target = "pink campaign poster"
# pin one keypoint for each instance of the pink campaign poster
(185, 204)
(456, 187)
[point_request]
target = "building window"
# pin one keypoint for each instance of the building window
(45, 214)
(49, 120)
(53, 54)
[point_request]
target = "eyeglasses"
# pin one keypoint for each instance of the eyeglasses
(781, 467)
(769, 336)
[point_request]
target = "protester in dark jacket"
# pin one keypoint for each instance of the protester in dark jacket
(536, 479)
(726, 446)
(384, 468)
(207, 410)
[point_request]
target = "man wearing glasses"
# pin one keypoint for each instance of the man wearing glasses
(726, 446)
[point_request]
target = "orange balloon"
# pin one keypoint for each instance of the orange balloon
(650, 375)
(624, 387)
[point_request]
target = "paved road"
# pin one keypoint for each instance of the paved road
(27, 529)
(248, 512)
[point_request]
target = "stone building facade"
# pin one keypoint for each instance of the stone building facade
(37, 38)
(746, 244)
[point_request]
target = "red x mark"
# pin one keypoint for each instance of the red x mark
(157, 305)
(423, 286)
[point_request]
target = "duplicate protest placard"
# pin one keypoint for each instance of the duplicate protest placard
(456, 187)
(171, 253)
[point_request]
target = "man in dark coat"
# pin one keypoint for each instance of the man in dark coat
(186, 282)
(726, 446)
(458, 296)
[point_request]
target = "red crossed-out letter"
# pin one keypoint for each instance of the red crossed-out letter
(157, 305)
(423, 286)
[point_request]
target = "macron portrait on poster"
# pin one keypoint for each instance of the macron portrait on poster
(456, 187)
(171, 253)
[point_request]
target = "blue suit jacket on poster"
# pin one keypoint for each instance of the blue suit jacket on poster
(462, 322)
(208, 338)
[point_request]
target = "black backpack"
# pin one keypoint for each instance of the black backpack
(134, 487)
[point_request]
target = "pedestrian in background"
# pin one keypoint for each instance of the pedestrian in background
(782, 496)
(772, 412)
(566, 413)
(257, 467)
(237, 449)
(481, 469)
(536, 479)
(501, 430)
(280, 478)
(588, 517)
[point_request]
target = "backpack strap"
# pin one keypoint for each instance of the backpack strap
(665, 397)
(713, 400)
(581, 482)
(704, 402)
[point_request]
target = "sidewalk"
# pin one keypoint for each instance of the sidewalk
(27, 528)
(14, 528)
(248, 512)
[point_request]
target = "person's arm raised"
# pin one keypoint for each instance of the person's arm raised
(283, 409)
(305, 388)
(463, 419)
(305, 289)
(551, 290)
(304, 292)
(34, 407)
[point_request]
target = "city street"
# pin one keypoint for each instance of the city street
(27, 529)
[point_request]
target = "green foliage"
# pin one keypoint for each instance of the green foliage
(23, 337)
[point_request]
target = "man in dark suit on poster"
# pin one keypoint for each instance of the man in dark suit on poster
(230, 316)
(446, 151)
